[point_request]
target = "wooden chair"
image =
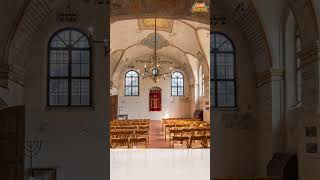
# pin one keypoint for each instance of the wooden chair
(142, 133)
(180, 139)
(202, 139)
(199, 131)
(187, 132)
(119, 142)
(136, 141)
(166, 128)
(115, 134)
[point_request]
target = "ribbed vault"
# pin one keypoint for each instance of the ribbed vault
(34, 12)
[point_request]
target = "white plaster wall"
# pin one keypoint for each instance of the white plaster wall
(235, 148)
(137, 107)
(75, 135)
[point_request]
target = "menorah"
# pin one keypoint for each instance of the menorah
(32, 149)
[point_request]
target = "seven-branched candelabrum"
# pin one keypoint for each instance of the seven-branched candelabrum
(32, 149)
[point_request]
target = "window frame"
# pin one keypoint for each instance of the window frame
(213, 78)
(125, 83)
(171, 87)
(69, 77)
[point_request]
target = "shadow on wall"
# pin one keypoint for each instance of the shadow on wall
(3, 104)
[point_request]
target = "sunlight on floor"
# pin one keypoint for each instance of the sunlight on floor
(157, 164)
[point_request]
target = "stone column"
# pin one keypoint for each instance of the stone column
(278, 110)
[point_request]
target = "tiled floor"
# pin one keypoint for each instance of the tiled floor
(156, 136)
(160, 164)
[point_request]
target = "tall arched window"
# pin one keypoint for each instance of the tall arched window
(69, 69)
(177, 84)
(131, 83)
(201, 81)
(223, 71)
(298, 67)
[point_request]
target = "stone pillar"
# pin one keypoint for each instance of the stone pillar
(278, 110)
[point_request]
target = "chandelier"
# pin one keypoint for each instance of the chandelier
(154, 70)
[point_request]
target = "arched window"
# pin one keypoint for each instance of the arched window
(223, 71)
(177, 84)
(298, 67)
(131, 84)
(69, 69)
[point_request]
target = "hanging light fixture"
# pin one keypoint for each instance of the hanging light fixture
(154, 70)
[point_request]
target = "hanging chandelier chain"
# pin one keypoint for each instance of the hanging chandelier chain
(153, 69)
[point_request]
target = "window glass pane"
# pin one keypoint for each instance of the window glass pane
(58, 92)
(79, 40)
(58, 63)
(174, 91)
(226, 93)
(64, 35)
(75, 36)
(180, 91)
(128, 81)
(135, 91)
(222, 43)
(180, 82)
(57, 42)
(224, 65)
(81, 63)
(80, 91)
(128, 91)
(135, 82)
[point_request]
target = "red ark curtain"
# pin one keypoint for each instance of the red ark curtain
(155, 100)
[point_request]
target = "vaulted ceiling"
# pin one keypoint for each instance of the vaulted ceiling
(21, 18)
(133, 39)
